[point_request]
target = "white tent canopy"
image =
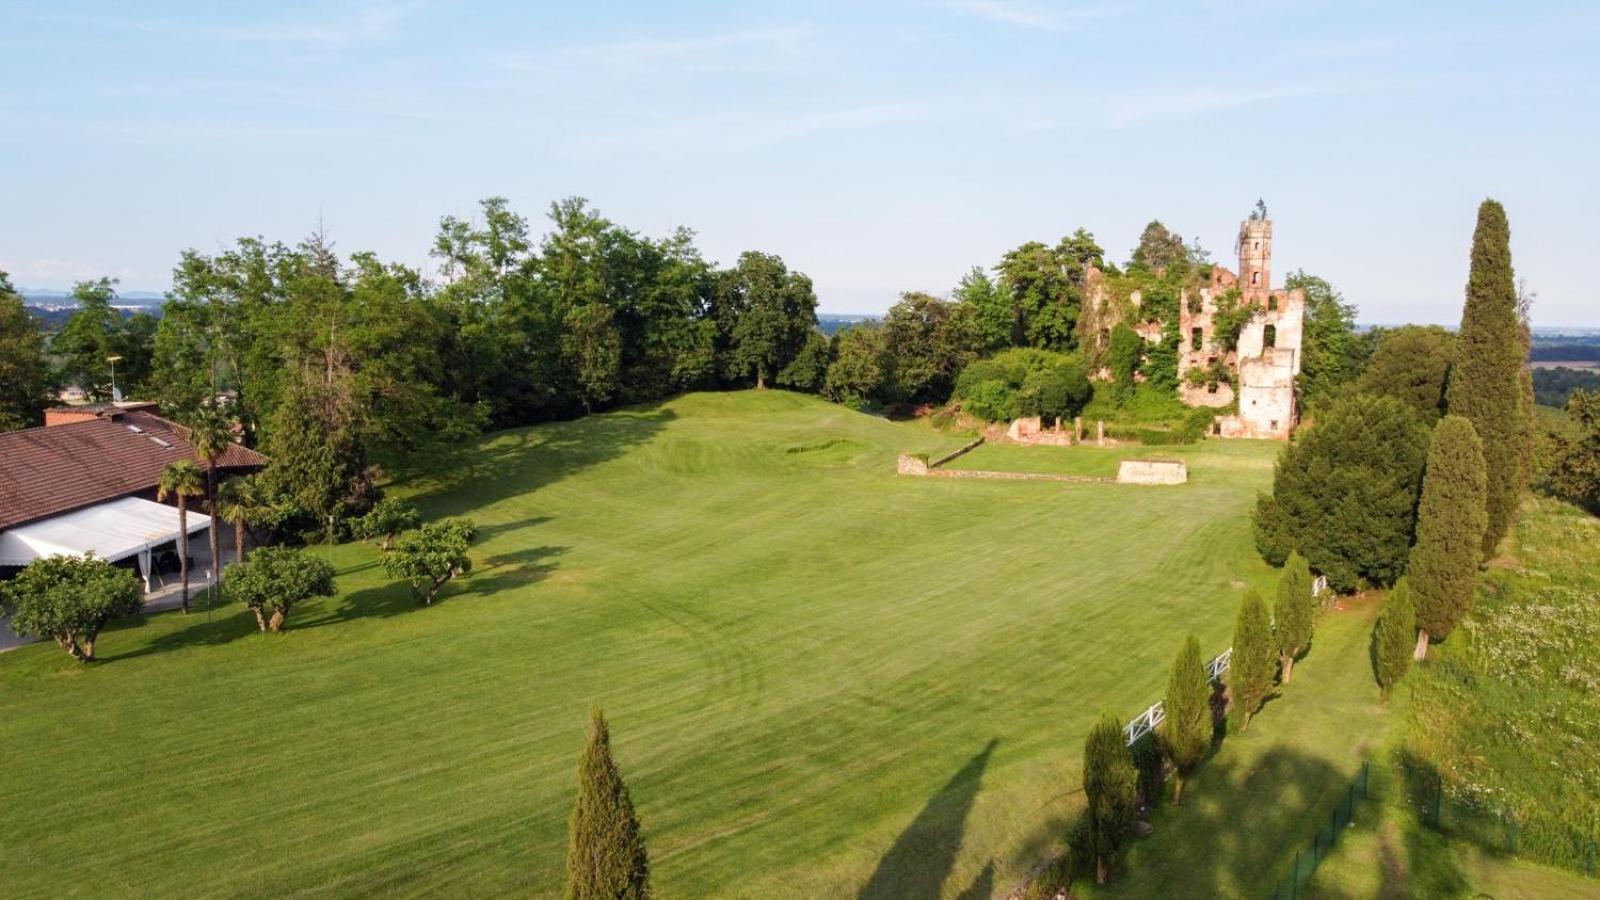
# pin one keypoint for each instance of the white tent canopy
(113, 530)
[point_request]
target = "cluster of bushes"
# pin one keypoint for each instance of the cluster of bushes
(1024, 382)
(70, 599)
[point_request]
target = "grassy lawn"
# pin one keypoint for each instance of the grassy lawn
(823, 680)
(1102, 461)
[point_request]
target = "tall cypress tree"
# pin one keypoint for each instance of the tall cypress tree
(1485, 384)
(606, 857)
(1450, 524)
(1108, 785)
(1293, 615)
(1254, 659)
(1186, 731)
(1393, 641)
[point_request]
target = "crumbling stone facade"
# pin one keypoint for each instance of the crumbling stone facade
(1256, 371)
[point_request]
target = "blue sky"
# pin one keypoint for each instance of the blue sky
(877, 146)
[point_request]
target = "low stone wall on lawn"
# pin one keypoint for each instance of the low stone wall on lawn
(1152, 471)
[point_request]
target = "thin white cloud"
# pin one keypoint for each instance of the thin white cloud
(370, 20)
(754, 50)
(1034, 15)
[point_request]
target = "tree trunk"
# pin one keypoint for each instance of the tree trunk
(1244, 722)
(238, 540)
(1422, 644)
(275, 624)
(216, 542)
(1099, 870)
(388, 539)
(183, 552)
(1288, 667)
(261, 621)
(1177, 788)
(88, 650)
(761, 379)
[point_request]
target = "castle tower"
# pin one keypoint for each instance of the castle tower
(1255, 254)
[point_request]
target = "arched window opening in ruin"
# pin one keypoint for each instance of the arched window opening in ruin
(1256, 245)
(1211, 388)
(1255, 278)
(1197, 338)
(1269, 336)
(1272, 304)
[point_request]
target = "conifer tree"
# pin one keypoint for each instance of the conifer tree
(1395, 628)
(1450, 523)
(1254, 659)
(1294, 614)
(1485, 384)
(1108, 785)
(1186, 731)
(605, 852)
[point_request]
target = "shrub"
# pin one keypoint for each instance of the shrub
(274, 580)
(606, 856)
(1294, 613)
(1186, 731)
(1393, 641)
(430, 556)
(69, 599)
(1345, 493)
(1450, 522)
(1253, 662)
(386, 519)
(1411, 364)
(1108, 786)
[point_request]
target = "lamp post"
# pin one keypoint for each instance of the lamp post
(113, 361)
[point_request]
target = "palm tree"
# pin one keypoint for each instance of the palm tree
(210, 435)
(181, 480)
(240, 502)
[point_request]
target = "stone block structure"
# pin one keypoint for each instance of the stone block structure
(1152, 471)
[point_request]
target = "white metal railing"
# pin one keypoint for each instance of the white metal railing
(1152, 718)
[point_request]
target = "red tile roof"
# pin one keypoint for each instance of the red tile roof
(51, 470)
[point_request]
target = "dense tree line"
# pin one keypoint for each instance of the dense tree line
(1555, 386)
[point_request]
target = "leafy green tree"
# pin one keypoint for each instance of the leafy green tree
(90, 338)
(430, 556)
(182, 480)
(1330, 351)
(1576, 471)
(765, 313)
(1411, 364)
(1393, 644)
(1254, 659)
(386, 519)
(1485, 384)
(1450, 521)
(69, 599)
(928, 341)
(1345, 493)
(1059, 390)
(1159, 249)
(319, 450)
(274, 580)
(24, 375)
(1123, 355)
(1186, 731)
(606, 856)
(857, 371)
(1046, 287)
(1108, 787)
(593, 351)
(997, 318)
(1294, 613)
(809, 368)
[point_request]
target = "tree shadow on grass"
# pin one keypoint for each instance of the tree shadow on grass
(522, 460)
(1238, 829)
(922, 857)
(225, 623)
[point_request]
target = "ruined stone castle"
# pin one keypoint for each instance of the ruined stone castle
(1259, 369)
